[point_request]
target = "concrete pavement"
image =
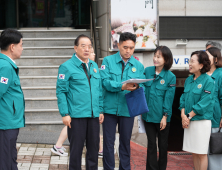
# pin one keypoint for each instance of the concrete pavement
(39, 157)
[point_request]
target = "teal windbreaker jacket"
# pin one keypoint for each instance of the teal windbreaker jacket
(12, 103)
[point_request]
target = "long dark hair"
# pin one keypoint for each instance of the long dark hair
(215, 52)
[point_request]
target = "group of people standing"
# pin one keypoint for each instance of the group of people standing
(89, 96)
(199, 104)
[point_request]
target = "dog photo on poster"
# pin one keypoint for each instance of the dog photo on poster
(139, 17)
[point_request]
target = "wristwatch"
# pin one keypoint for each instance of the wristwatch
(165, 114)
(188, 116)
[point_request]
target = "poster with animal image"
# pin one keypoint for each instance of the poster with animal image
(138, 17)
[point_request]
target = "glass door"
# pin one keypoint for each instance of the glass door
(44, 13)
(69, 13)
(33, 13)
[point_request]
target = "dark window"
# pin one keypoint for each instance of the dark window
(190, 27)
(7, 14)
(45, 13)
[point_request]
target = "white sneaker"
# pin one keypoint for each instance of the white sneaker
(100, 154)
(59, 151)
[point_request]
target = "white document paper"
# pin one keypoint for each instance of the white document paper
(136, 81)
(141, 125)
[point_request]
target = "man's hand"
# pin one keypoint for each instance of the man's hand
(101, 118)
(163, 123)
(130, 86)
(67, 120)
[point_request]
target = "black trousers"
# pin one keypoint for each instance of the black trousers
(125, 126)
(84, 129)
(8, 151)
(153, 131)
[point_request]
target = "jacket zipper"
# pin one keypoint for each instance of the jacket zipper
(88, 77)
(123, 67)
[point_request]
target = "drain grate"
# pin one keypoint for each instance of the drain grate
(179, 153)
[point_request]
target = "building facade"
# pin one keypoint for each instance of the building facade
(184, 26)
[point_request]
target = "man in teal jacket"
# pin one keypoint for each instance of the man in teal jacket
(79, 93)
(114, 70)
(12, 103)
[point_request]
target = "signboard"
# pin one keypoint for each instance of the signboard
(139, 17)
(180, 62)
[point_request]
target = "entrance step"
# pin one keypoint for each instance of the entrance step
(42, 60)
(38, 70)
(48, 42)
(39, 91)
(41, 103)
(34, 132)
(42, 51)
(46, 122)
(27, 81)
(42, 115)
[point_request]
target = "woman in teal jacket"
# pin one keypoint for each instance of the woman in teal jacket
(215, 161)
(196, 105)
(159, 96)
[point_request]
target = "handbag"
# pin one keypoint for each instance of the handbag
(216, 143)
(136, 102)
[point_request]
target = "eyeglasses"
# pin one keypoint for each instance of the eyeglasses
(191, 62)
(85, 46)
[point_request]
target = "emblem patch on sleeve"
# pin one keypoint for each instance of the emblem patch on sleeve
(4, 80)
(103, 67)
(61, 76)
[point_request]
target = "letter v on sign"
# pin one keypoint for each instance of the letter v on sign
(176, 61)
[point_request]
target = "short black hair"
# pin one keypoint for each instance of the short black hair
(76, 42)
(202, 59)
(167, 55)
(9, 36)
(127, 36)
(215, 52)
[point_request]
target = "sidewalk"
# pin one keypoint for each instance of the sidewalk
(175, 162)
(39, 157)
